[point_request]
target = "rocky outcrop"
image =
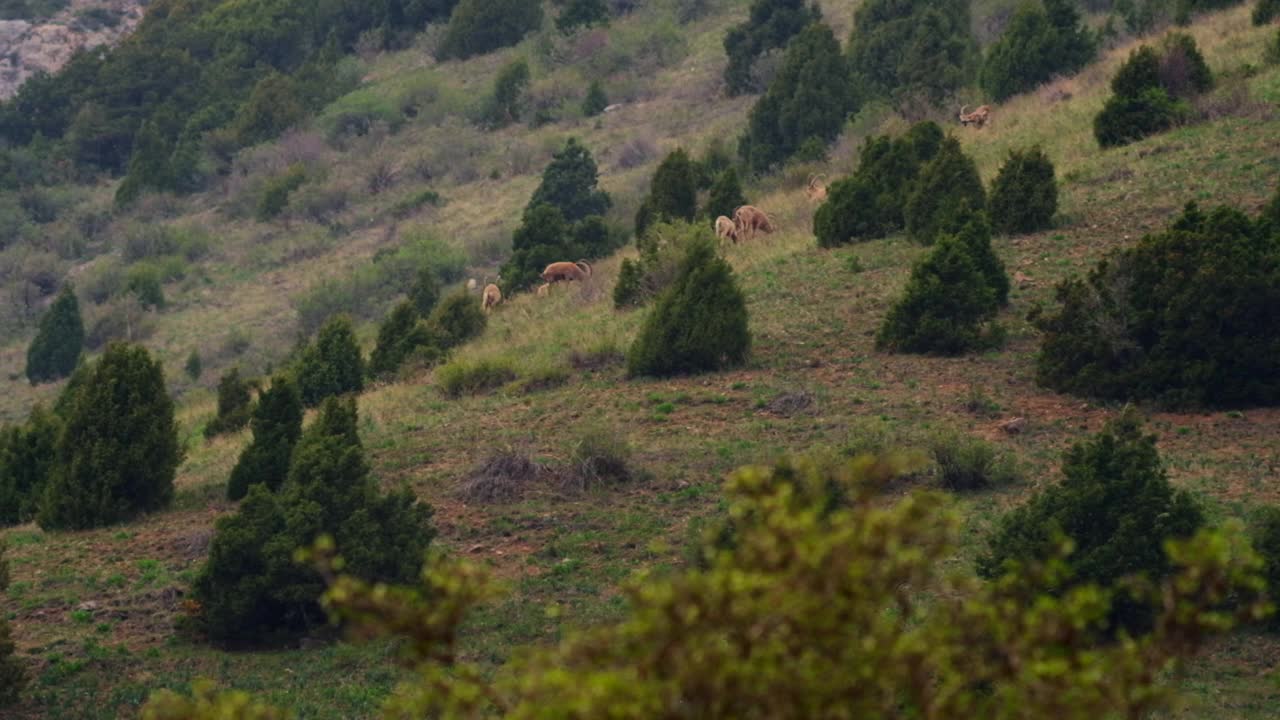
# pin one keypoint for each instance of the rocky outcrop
(28, 47)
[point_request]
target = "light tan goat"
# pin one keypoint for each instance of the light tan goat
(726, 230)
(978, 117)
(558, 271)
(492, 296)
(544, 289)
(816, 190)
(749, 220)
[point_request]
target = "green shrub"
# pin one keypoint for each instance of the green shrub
(275, 194)
(629, 290)
(806, 104)
(276, 425)
(1038, 44)
(948, 183)
(477, 27)
(331, 365)
(1266, 11)
(13, 675)
(251, 592)
(911, 51)
(457, 319)
(1150, 89)
(119, 451)
(56, 349)
(425, 292)
(194, 367)
(699, 323)
(871, 203)
(947, 308)
(400, 336)
(725, 196)
(1266, 542)
(770, 25)
(143, 281)
(460, 378)
(975, 233)
(1024, 195)
(582, 13)
(570, 183)
(673, 193)
(595, 101)
(235, 404)
(510, 95)
(1116, 505)
(1189, 317)
(966, 464)
(658, 265)
(27, 455)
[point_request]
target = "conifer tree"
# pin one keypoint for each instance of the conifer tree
(235, 404)
(1116, 505)
(13, 676)
(542, 238)
(771, 25)
(1266, 11)
(699, 324)
(975, 233)
(148, 166)
(398, 337)
(457, 319)
(251, 592)
(56, 349)
(582, 13)
(673, 192)
(276, 425)
(948, 183)
(119, 451)
(725, 196)
(945, 307)
(425, 292)
(331, 365)
(1038, 44)
(27, 454)
(477, 27)
(907, 50)
(807, 103)
(1024, 195)
(194, 367)
(570, 183)
(596, 100)
(510, 91)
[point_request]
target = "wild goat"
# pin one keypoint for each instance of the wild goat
(749, 219)
(558, 271)
(816, 189)
(726, 230)
(978, 117)
(492, 296)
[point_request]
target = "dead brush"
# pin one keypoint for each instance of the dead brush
(502, 478)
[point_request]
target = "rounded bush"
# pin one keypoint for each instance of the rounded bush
(1024, 195)
(947, 184)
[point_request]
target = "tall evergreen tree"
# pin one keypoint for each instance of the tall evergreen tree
(148, 166)
(251, 592)
(582, 13)
(570, 183)
(276, 425)
(673, 193)
(542, 238)
(945, 307)
(906, 50)
(1116, 505)
(56, 349)
(332, 365)
(725, 196)
(425, 292)
(946, 185)
(398, 337)
(235, 404)
(1024, 195)
(1039, 43)
(477, 27)
(771, 24)
(119, 451)
(510, 91)
(595, 101)
(807, 103)
(27, 454)
(699, 324)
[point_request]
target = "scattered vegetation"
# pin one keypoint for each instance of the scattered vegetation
(1186, 318)
(1024, 195)
(460, 377)
(235, 404)
(501, 478)
(480, 26)
(1039, 43)
(1150, 91)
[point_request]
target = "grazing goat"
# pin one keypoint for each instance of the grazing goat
(492, 296)
(558, 271)
(471, 284)
(749, 219)
(726, 230)
(978, 117)
(816, 190)
(544, 289)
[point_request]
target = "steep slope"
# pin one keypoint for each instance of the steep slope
(95, 609)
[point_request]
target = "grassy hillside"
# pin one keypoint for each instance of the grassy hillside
(94, 611)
